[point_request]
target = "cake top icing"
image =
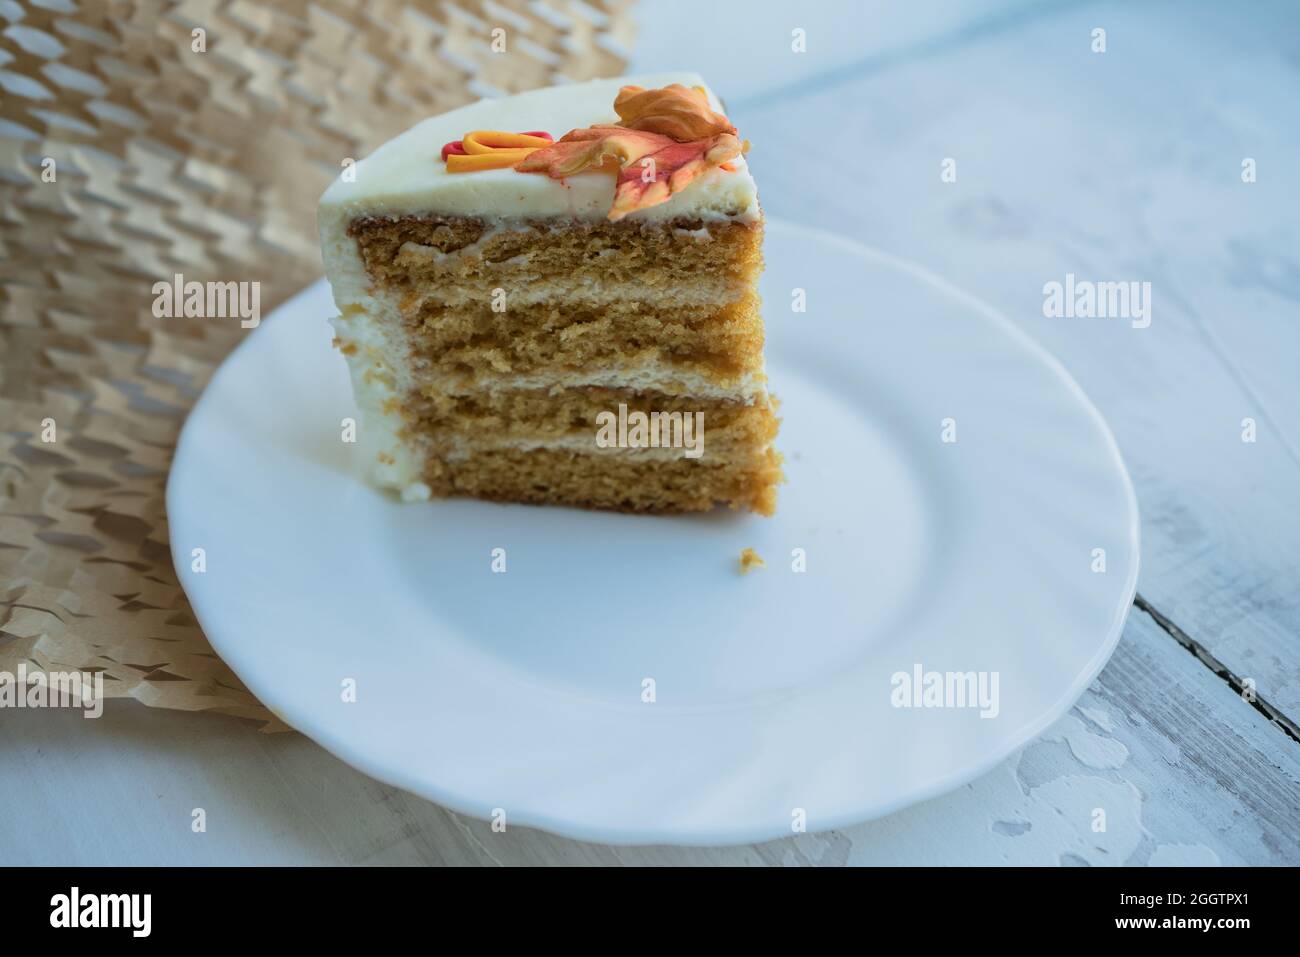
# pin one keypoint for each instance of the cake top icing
(408, 174)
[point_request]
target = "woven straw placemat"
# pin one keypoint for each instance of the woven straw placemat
(143, 139)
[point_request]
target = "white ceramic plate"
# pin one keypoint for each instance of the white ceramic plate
(773, 692)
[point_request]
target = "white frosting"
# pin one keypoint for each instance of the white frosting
(380, 371)
(407, 175)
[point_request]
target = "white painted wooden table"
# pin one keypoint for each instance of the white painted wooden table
(1122, 165)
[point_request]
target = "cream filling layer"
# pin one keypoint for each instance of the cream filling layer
(650, 375)
(457, 449)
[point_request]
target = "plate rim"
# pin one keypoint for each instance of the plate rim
(575, 829)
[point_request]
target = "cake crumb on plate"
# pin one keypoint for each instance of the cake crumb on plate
(750, 559)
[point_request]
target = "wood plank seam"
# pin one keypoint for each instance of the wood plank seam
(1203, 655)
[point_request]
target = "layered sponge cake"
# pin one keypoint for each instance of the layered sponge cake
(550, 298)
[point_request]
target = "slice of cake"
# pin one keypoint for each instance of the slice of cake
(551, 298)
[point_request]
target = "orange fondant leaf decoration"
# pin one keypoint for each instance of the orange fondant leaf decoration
(677, 111)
